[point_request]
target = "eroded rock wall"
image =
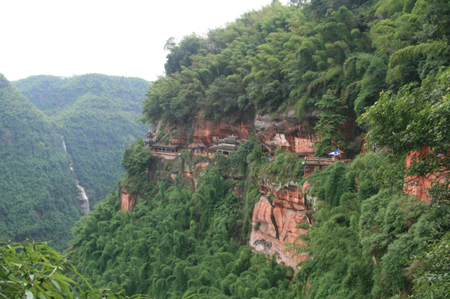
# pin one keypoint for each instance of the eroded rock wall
(205, 131)
(126, 201)
(279, 223)
(284, 131)
(287, 132)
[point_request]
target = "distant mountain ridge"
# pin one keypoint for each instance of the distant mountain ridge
(53, 94)
(97, 115)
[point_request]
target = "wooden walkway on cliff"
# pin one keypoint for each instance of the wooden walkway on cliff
(318, 164)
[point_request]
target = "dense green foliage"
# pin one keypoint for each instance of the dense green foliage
(174, 244)
(364, 234)
(137, 160)
(53, 95)
(301, 56)
(97, 116)
(371, 240)
(329, 127)
(368, 239)
(329, 60)
(415, 117)
(432, 279)
(34, 270)
(424, 114)
(286, 166)
(326, 59)
(38, 194)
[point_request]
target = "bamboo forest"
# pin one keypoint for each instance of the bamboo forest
(299, 151)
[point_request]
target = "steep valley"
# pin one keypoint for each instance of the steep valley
(53, 165)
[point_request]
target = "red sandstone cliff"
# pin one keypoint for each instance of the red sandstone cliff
(205, 131)
(126, 201)
(418, 186)
(279, 222)
(285, 131)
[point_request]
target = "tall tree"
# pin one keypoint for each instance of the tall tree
(330, 125)
(415, 117)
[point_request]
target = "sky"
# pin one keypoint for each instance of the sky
(121, 38)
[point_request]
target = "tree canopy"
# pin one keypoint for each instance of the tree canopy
(97, 116)
(38, 194)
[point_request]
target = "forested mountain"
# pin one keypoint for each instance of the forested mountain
(384, 62)
(185, 223)
(38, 193)
(289, 56)
(97, 115)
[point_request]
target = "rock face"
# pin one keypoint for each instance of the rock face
(205, 131)
(279, 222)
(418, 186)
(126, 201)
(287, 132)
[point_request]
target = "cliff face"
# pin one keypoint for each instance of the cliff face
(279, 223)
(418, 186)
(206, 131)
(285, 131)
(285, 218)
(126, 201)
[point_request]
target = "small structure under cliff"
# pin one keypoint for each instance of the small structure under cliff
(226, 145)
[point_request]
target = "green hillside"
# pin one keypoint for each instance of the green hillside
(283, 57)
(52, 94)
(97, 115)
(326, 59)
(382, 64)
(369, 239)
(38, 193)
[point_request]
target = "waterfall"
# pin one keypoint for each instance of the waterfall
(84, 205)
(63, 144)
(84, 199)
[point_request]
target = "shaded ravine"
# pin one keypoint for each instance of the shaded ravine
(84, 200)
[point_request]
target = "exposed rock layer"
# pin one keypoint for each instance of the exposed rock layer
(279, 223)
(279, 220)
(126, 200)
(419, 186)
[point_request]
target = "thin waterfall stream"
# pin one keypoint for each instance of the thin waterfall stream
(84, 205)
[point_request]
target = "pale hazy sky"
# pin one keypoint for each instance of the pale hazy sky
(125, 38)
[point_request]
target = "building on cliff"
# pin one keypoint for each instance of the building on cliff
(226, 145)
(168, 151)
(312, 164)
